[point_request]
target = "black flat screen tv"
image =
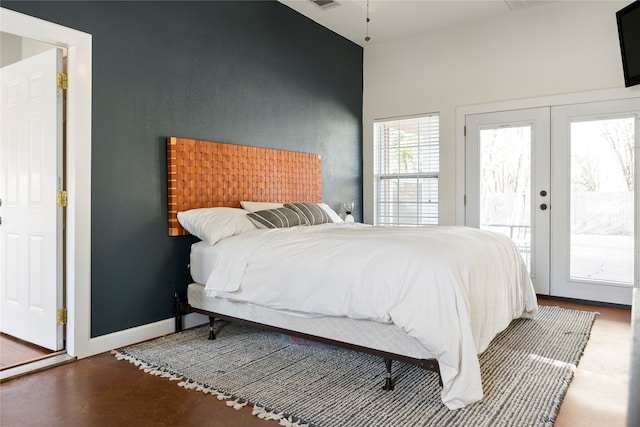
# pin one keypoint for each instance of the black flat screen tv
(629, 33)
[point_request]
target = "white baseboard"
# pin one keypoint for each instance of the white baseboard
(135, 335)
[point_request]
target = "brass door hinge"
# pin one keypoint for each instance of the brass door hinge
(63, 81)
(63, 198)
(62, 316)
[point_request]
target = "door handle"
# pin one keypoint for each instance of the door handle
(543, 207)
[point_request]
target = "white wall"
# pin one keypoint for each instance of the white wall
(14, 48)
(10, 49)
(546, 50)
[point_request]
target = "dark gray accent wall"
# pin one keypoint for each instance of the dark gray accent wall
(244, 72)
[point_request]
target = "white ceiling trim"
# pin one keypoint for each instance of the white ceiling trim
(394, 19)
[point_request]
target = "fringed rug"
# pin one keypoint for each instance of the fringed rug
(525, 374)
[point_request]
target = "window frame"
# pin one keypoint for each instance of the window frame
(382, 203)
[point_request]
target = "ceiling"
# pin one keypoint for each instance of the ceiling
(392, 19)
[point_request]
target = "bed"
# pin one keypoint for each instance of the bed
(430, 296)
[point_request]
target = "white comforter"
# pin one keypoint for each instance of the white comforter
(452, 288)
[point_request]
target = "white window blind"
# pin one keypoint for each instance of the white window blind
(406, 169)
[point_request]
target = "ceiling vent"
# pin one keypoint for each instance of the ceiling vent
(325, 3)
(523, 4)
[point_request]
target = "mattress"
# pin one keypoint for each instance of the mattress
(201, 262)
(379, 336)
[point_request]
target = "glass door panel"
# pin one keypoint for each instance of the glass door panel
(601, 225)
(505, 184)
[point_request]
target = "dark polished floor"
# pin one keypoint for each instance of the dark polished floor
(15, 352)
(102, 391)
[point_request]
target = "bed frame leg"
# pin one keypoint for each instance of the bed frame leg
(178, 312)
(388, 382)
(212, 335)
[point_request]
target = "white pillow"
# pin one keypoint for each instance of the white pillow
(214, 224)
(332, 214)
(260, 206)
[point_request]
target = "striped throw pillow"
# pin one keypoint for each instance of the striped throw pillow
(277, 218)
(312, 211)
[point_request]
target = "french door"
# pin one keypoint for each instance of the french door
(593, 200)
(508, 182)
(560, 182)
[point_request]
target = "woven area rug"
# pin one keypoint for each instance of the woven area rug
(525, 374)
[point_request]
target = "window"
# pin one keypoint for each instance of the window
(406, 168)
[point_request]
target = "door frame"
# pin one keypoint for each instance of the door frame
(546, 101)
(79, 342)
(78, 168)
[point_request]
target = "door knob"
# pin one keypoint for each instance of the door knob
(543, 206)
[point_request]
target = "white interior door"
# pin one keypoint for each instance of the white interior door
(31, 228)
(593, 200)
(507, 182)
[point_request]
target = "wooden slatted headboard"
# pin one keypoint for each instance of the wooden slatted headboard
(213, 174)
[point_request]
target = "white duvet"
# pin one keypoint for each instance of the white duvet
(452, 288)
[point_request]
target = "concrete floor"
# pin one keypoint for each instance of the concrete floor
(102, 391)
